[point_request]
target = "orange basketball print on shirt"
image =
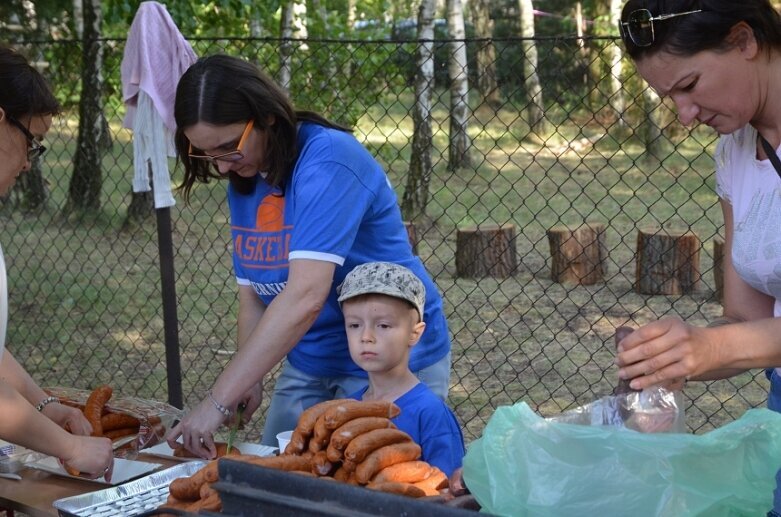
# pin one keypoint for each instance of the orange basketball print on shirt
(271, 214)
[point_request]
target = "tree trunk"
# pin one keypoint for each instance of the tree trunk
(78, 18)
(34, 191)
(718, 269)
(412, 235)
(667, 262)
(486, 250)
(578, 255)
(326, 78)
(415, 199)
(255, 28)
(580, 23)
(142, 204)
(535, 109)
(350, 15)
(458, 70)
(87, 179)
(485, 56)
(285, 47)
(651, 131)
(615, 55)
(30, 192)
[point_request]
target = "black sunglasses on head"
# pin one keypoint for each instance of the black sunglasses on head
(639, 27)
(34, 147)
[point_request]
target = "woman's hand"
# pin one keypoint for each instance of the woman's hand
(91, 457)
(251, 401)
(69, 418)
(665, 352)
(197, 430)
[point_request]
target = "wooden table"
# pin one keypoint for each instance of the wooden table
(37, 490)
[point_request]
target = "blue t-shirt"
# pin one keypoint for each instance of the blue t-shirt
(338, 207)
(431, 424)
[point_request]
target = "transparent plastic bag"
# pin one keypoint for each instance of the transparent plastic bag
(653, 410)
(154, 417)
(527, 465)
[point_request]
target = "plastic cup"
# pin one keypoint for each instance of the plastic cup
(283, 439)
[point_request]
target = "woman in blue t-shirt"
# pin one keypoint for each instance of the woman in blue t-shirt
(307, 204)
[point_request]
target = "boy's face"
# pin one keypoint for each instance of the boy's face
(380, 331)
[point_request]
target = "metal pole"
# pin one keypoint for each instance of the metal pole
(170, 319)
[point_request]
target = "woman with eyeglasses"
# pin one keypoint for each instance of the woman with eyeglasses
(308, 203)
(30, 417)
(720, 63)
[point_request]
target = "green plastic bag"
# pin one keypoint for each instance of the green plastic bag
(526, 465)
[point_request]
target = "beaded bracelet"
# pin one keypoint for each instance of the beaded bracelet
(45, 402)
(222, 409)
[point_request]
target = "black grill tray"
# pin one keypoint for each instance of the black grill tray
(252, 490)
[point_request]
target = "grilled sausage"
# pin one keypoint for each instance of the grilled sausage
(385, 457)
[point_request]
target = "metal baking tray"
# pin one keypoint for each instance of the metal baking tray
(14, 457)
(133, 498)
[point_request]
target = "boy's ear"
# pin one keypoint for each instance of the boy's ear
(2, 114)
(417, 331)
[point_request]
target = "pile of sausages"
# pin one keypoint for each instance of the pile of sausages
(107, 422)
(355, 442)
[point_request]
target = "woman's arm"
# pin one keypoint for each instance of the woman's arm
(669, 349)
(13, 374)
(282, 325)
(251, 309)
(23, 425)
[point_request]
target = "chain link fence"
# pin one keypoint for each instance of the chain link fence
(85, 289)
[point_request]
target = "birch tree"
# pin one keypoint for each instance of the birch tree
(415, 199)
(615, 55)
(485, 55)
(651, 130)
(323, 30)
(292, 25)
(87, 179)
(458, 71)
(535, 110)
(78, 18)
(350, 15)
(285, 46)
(30, 190)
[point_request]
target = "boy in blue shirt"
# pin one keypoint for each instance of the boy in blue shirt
(382, 305)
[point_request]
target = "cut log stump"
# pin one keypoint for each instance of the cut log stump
(668, 261)
(486, 251)
(718, 268)
(412, 234)
(578, 255)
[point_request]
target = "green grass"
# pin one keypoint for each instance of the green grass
(85, 295)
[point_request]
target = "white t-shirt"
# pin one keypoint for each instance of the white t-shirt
(753, 188)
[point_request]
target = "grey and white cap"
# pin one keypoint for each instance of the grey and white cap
(384, 278)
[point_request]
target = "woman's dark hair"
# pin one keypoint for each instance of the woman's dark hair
(224, 90)
(706, 30)
(23, 90)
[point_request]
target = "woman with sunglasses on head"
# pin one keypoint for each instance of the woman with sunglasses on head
(29, 416)
(307, 204)
(720, 63)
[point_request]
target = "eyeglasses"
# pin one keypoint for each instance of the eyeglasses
(232, 156)
(34, 147)
(639, 28)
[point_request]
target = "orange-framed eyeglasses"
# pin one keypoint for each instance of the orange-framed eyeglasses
(231, 156)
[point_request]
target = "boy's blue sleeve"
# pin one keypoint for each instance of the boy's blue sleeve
(442, 442)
